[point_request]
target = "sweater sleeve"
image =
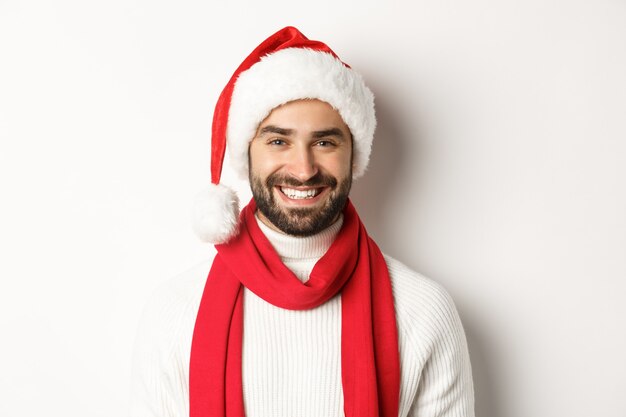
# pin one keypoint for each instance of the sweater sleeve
(160, 369)
(445, 388)
(436, 376)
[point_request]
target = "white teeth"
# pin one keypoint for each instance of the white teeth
(299, 194)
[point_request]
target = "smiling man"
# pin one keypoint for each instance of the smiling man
(299, 313)
(300, 167)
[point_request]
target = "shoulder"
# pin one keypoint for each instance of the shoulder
(180, 292)
(425, 311)
(170, 312)
(415, 291)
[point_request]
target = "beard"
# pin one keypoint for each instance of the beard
(298, 221)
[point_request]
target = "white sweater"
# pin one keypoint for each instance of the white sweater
(291, 361)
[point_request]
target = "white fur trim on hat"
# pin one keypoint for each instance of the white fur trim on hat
(293, 74)
(215, 214)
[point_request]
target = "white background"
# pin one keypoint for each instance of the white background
(498, 170)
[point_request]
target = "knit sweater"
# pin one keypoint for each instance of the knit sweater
(291, 360)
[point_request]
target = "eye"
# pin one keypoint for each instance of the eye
(325, 143)
(276, 142)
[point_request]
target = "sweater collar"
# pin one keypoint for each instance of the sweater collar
(295, 247)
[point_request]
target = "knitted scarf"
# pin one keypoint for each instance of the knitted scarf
(353, 265)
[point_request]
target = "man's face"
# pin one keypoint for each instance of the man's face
(301, 167)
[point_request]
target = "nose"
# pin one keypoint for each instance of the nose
(302, 164)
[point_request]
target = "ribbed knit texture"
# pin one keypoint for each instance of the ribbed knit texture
(292, 359)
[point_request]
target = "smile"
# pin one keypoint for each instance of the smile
(294, 194)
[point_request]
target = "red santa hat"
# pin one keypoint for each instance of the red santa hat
(287, 66)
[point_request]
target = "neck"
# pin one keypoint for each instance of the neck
(291, 247)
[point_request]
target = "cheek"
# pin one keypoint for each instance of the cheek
(260, 162)
(339, 165)
(265, 166)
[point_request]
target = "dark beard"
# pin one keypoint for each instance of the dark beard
(301, 221)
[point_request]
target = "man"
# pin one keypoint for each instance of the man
(301, 314)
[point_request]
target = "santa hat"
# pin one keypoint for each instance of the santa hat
(285, 67)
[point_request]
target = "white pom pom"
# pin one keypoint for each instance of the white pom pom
(216, 214)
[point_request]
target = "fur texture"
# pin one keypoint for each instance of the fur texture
(215, 214)
(292, 74)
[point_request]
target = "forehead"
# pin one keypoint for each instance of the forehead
(310, 114)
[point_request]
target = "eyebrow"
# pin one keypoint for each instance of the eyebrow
(328, 132)
(288, 132)
(276, 130)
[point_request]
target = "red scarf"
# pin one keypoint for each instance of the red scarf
(369, 344)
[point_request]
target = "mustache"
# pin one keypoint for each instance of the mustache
(318, 180)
